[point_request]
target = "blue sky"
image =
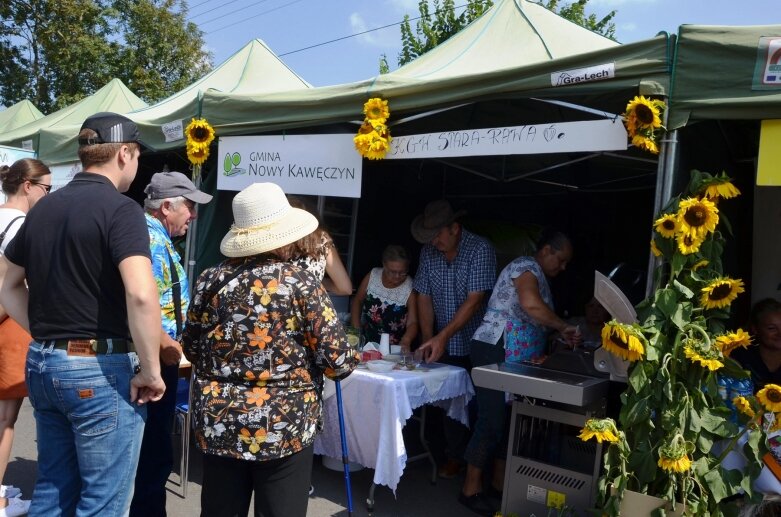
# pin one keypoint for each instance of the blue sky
(290, 25)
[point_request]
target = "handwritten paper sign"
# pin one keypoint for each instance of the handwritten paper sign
(561, 137)
(320, 165)
(9, 155)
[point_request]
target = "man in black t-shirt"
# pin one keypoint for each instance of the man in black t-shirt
(84, 253)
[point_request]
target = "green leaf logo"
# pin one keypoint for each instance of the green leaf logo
(227, 164)
(236, 159)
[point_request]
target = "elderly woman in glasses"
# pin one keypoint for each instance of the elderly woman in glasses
(385, 302)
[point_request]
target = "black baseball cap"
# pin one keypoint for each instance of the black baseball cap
(111, 128)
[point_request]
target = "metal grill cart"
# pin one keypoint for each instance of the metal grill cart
(547, 464)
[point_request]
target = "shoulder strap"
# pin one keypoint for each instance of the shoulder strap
(176, 292)
(2, 235)
(211, 293)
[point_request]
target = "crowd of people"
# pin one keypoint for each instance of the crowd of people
(97, 312)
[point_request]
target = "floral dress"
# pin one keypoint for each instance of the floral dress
(384, 309)
(260, 334)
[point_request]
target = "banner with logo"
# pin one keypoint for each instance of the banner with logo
(767, 71)
(564, 137)
(9, 155)
(583, 75)
(319, 165)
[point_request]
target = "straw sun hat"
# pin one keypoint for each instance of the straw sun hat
(263, 220)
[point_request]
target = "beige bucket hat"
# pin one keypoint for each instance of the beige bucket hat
(263, 220)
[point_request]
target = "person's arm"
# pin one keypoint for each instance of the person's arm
(13, 292)
(170, 349)
(143, 316)
(435, 347)
(337, 281)
(528, 290)
(357, 304)
(412, 323)
(425, 316)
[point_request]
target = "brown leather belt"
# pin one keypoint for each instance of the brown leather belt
(91, 347)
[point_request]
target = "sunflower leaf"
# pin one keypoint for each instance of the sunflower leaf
(688, 293)
(666, 302)
(677, 264)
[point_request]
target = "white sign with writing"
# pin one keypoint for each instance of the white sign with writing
(63, 173)
(583, 75)
(173, 131)
(561, 137)
(320, 165)
(9, 155)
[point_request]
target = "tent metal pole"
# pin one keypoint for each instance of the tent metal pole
(664, 189)
(190, 240)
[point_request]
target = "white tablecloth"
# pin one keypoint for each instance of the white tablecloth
(376, 407)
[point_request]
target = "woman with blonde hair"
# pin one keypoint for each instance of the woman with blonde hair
(261, 332)
(24, 183)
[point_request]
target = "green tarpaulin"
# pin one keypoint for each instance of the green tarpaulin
(18, 115)
(716, 75)
(113, 97)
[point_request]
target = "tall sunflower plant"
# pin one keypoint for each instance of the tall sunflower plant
(675, 427)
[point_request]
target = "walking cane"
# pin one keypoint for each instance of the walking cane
(345, 457)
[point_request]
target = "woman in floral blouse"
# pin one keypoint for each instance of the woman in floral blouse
(261, 332)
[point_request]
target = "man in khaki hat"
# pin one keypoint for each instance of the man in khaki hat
(456, 270)
(84, 252)
(170, 207)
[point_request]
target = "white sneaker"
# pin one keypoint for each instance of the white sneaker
(15, 508)
(9, 491)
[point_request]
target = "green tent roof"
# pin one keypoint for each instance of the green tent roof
(112, 97)
(512, 33)
(254, 70)
(714, 75)
(18, 115)
(642, 66)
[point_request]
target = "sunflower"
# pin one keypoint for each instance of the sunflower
(697, 217)
(376, 110)
(623, 340)
(199, 132)
(674, 457)
(732, 340)
(667, 225)
(720, 292)
(679, 464)
(377, 149)
(197, 154)
(744, 406)
(688, 244)
(646, 112)
(700, 264)
(645, 143)
(654, 249)
(770, 397)
(602, 429)
(720, 188)
(699, 352)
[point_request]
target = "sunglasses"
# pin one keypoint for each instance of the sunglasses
(46, 187)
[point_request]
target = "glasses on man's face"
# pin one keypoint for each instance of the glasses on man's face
(45, 186)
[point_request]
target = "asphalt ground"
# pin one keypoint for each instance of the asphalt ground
(415, 495)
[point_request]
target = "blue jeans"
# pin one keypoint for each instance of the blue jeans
(89, 433)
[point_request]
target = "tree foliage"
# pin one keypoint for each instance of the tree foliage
(438, 22)
(55, 52)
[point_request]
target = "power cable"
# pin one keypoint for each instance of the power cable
(220, 7)
(250, 18)
(361, 33)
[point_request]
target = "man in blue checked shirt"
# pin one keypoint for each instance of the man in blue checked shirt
(456, 272)
(169, 207)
